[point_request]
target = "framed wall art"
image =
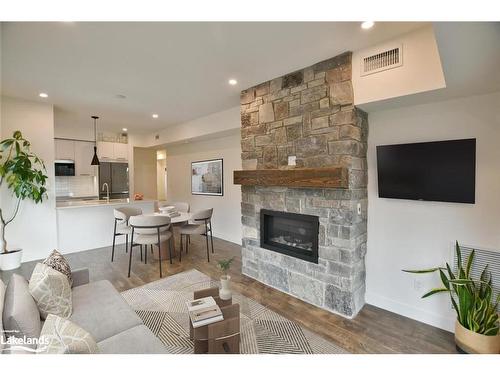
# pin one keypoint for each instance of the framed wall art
(207, 177)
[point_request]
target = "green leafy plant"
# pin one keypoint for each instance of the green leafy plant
(225, 264)
(472, 299)
(23, 173)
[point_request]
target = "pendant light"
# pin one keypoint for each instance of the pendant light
(95, 159)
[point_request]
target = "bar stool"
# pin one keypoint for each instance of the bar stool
(121, 227)
(204, 218)
(150, 230)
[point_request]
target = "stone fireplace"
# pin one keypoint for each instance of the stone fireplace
(307, 116)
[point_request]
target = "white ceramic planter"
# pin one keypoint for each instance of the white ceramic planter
(11, 260)
(475, 343)
(225, 291)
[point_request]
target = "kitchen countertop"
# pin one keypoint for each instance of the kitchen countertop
(89, 224)
(75, 203)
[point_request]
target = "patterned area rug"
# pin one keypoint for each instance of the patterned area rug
(161, 305)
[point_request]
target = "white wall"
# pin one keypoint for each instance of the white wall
(70, 125)
(79, 125)
(201, 127)
(144, 172)
(414, 234)
(161, 166)
(421, 70)
(134, 140)
(227, 209)
(34, 229)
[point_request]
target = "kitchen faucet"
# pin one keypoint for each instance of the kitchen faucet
(107, 190)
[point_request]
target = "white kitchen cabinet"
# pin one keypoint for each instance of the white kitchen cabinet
(112, 151)
(120, 151)
(105, 150)
(84, 151)
(65, 149)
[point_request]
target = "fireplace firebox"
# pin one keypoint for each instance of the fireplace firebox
(288, 233)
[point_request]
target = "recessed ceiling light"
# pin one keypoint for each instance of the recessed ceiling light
(232, 82)
(367, 25)
(124, 129)
(43, 95)
(155, 115)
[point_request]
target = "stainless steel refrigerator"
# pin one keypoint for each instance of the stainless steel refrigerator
(116, 176)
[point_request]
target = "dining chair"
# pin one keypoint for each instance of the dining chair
(202, 225)
(150, 230)
(121, 226)
(179, 206)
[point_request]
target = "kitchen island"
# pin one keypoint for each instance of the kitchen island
(88, 224)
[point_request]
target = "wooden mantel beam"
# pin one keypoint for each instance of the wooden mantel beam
(331, 177)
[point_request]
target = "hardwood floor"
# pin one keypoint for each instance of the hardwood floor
(372, 331)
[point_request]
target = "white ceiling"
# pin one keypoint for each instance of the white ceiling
(470, 58)
(178, 70)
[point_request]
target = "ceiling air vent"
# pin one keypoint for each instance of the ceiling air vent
(382, 60)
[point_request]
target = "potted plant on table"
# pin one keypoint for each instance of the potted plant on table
(23, 174)
(477, 324)
(225, 291)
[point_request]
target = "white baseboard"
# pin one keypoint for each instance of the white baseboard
(441, 321)
(228, 237)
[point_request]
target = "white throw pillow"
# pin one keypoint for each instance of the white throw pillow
(51, 291)
(60, 336)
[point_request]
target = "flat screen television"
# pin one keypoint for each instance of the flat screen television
(432, 171)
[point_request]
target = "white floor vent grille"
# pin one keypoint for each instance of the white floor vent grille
(383, 60)
(481, 259)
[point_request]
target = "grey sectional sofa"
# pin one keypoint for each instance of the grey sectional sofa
(100, 310)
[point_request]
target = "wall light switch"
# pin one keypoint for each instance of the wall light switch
(292, 160)
(359, 208)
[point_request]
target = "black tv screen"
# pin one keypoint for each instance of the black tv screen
(432, 171)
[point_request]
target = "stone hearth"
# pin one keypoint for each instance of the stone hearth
(308, 114)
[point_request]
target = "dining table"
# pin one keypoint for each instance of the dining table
(175, 221)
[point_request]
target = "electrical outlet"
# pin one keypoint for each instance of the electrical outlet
(417, 285)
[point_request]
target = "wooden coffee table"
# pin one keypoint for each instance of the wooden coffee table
(221, 337)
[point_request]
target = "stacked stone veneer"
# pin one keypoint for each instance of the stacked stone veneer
(309, 114)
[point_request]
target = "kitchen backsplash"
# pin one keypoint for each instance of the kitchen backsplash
(76, 186)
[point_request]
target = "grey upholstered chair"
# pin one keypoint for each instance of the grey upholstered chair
(202, 225)
(121, 227)
(150, 230)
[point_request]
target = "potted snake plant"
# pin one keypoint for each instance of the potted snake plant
(225, 290)
(23, 174)
(477, 324)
